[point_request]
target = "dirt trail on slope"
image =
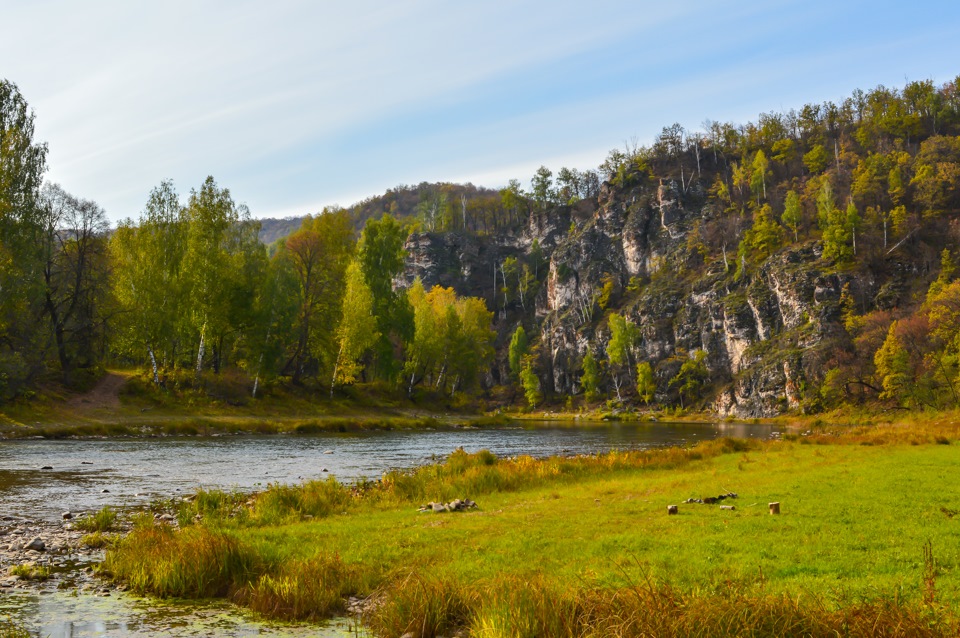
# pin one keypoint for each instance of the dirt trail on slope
(106, 394)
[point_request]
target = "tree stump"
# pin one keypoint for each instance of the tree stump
(673, 509)
(774, 508)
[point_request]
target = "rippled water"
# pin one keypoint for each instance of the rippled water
(88, 474)
(85, 475)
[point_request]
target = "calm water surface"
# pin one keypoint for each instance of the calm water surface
(86, 475)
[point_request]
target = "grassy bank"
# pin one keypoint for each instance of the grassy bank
(129, 404)
(866, 543)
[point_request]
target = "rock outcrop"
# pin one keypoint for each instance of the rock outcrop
(636, 250)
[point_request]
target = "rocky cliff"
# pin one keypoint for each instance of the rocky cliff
(638, 250)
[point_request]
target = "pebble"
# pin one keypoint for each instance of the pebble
(67, 516)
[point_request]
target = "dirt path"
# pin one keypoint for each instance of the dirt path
(106, 394)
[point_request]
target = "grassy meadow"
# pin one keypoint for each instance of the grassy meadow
(868, 543)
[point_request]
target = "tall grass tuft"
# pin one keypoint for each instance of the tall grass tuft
(517, 607)
(314, 498)
(195, 562)
(420, 605)
(102, 521)
(303, 590)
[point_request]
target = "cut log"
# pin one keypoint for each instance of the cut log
(774, 508)
(672, 509)
(728, 507)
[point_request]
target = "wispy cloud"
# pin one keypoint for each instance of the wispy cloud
(298, 104)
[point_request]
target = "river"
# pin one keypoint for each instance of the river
(41, 479)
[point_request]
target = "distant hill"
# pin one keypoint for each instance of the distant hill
(425, 202)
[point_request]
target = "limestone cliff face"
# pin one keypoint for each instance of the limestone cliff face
(763, 334)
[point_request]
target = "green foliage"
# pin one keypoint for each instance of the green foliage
(318, 254)
(646, 383)
(542, 187)
(892, 367)
(590, 379)
(759, 173)
(530, 382)
(358, 327)
(381, 258)
(692, 376)
(453, 339)
(606, 292)
(761, 240)
(624, 335)
(518, 350)
(816, 159)
(792, 213)
(839, 226)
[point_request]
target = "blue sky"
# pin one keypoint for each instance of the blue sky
(296, 105)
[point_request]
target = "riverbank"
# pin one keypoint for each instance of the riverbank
(583, 546)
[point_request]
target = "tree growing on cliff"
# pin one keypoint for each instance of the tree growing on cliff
(691, 377)
(624, 335)
(590, 377)
(792, 213)
(517, 350)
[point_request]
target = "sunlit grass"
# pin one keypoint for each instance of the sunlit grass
(584, 546)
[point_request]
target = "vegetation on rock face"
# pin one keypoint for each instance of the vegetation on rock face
(795, 262)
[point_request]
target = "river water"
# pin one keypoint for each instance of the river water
(40, 479)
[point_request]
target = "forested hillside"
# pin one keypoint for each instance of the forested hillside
(798, 262)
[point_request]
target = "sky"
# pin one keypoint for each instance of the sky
(297, 105)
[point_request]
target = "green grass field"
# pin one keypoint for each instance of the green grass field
(869, 536)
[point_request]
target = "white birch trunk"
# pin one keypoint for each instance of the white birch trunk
(200, 350)
(153, 362)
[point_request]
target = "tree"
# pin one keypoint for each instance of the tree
(646, 383)
(817, 159)
(517, 350)
(542, 187)
(319, 252)
(590, 379)
(792, 213)
(75, 276)
(147, 280)
(761, 240)
(624, 335)
(381, 255)
(838, 226)
(358, 328)
(530, 382)
(760, 170)
(22, 165)
(691, 377)
(892, 363)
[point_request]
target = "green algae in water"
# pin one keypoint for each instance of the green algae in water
(61, 615)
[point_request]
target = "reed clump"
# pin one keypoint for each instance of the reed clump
(196, 562)
(309, 589)
(104, 520)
